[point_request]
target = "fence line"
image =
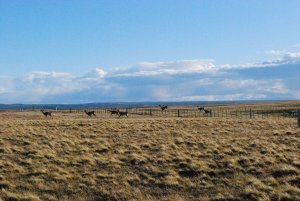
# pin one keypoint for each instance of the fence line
(238, 112)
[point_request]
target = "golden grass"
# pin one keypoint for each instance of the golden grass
(72, 157)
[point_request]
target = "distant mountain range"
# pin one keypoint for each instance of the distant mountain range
(112, 105)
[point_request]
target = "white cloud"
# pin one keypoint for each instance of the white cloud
(179, 65)
(265, 85)
(292, 56)
(196, 98)
(96, 74)
(46, 75)
(200, 66)
(285, 56)
(276, 52)
(204, 82)
(161, 93)
(6, 84)
(37, 86)
(168, 68)
(226, 97)
(297, 94)
(169, 81)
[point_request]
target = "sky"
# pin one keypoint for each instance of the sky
(78, 51)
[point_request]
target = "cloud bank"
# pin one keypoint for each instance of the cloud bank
(184, 80)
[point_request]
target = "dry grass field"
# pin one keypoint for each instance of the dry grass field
(72, 157)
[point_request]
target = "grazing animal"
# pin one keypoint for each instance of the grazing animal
(122, 114)
(90, 113)
(116, 112)
(46, 114)
(205, 110)
(200, 108)
(291, 113)
(163, 107)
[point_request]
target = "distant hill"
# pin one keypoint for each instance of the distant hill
(112, 105)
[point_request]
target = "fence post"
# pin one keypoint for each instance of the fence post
(150, 112)
(178, 113)
(250, 113)
(298, 118)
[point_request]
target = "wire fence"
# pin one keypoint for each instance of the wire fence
(225, 112)
(221, 111)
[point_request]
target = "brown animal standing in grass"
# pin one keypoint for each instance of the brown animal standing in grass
(46, 114)
(206, 111)
(292, 113)
(122, 114)
(200, 108)
(90, 113)
(113, 112)
(163, 107)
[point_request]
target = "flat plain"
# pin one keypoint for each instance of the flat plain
(73, 157)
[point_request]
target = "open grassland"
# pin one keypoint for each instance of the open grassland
(72, 157)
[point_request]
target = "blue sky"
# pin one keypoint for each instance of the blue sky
(82, 51)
